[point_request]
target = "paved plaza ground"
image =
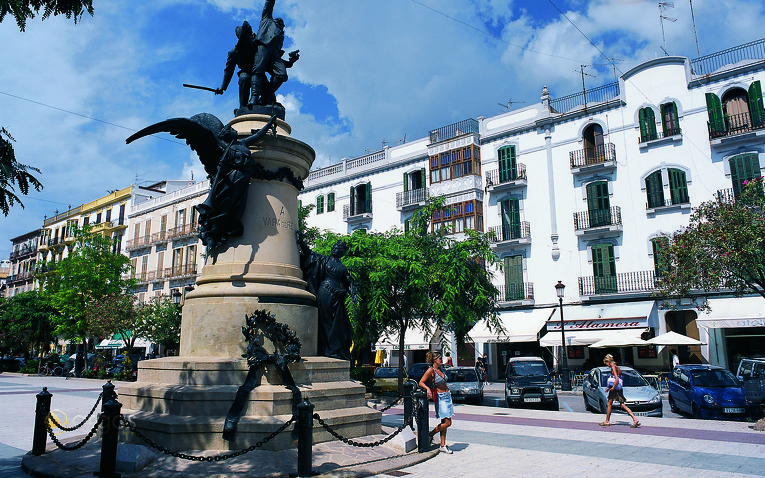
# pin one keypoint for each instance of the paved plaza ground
(487, 442)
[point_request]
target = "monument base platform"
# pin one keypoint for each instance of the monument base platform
(181, 403)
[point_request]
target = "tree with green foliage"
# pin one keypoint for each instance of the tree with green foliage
(722, 248)
(25, 324)
(23, 10)
(418, 279)
(159, 320)
(114, 314)
(90, 273)
(13, 174)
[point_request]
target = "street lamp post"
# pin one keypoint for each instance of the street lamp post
(565, 380)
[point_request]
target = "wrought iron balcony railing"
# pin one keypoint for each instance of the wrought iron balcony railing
(623, 283)
(658, 134)
(733, 125)
(185, 230)
(415, 196)
(710, 63)
(180, 271)
(593, 155)
(598, 218)
(362, 208)
(494, 179)
(511, 232)
(601, 94)
(513, 292)
(657, 200)
(453, 130)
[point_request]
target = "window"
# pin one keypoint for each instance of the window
(604, 268)
(98, 218)
(743, 167)
(454, 164)
(514, 278)
(361, 199)
(598, 204)
(678, 186)
(109, 215)
(594, 147)
(507, 166)
(655, 190)
(511, 219)
(459, 217)
(660, 246)
(738, 111)
(122, 215)
(647, 121)
(331, 201)
(670, 124)
(320, 205)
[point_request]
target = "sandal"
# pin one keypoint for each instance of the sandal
(635, 425)
(604, 424)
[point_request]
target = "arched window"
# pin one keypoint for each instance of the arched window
(670, 124)
(647, 121)
(654, 190)
(594, 150)
(743, 167)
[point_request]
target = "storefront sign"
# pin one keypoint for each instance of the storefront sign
(607, 324)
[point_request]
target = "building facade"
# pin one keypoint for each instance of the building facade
(580, 189)
(22, 263)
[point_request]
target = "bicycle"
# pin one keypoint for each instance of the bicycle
(49, 369)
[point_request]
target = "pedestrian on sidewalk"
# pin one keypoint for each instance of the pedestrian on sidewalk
(675, 360)
(614, 390)
(442, 398)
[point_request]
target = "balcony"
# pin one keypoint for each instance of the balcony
(103, 227)
(158, 238)
(181, 272)
(495, 184)
(137, 243)
(182, 232)
(734, 126)
(454, 130)
(593, 159)
(362, 212)
(659, 137)
(508, 236)
(413, 199)
(20, 277)
(637, 283)
(516, 294)
(602, 222)
(657, 204)
(23, 252)
(156, 276)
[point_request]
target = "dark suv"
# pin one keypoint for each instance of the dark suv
(528, 382)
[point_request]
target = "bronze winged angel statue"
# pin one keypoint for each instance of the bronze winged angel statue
(229, 167)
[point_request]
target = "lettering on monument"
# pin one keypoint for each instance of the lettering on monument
(276, 222)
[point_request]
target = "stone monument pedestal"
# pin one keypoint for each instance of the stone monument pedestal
(181, 402)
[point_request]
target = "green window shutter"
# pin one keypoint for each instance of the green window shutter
(514, 278)
(650, 119)
(678, 186)
(406, 182)
(507, 166)
(642, 122)
(369, 197)
(604, 268)
(743, 167)
(598, 204)
(330, 202)
(319, 204)
(511, 219)
(660, 259)
(353, 201)
(675, 119)
(406, 226)
(755, 104)
(654, 190)
(715, 114)
(423, 177)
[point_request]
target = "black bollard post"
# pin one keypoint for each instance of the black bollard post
(109, 435)
(408, 389)
(305, 438)
(423, 422)
(40, 437)
(107, 394)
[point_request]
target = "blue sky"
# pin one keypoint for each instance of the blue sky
(371, 71)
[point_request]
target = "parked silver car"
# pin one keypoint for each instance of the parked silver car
(642, 398)
(464, 384)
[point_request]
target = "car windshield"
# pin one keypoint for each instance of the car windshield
(714, 378)
(386, 372)
(630, 378)
(527, 369)
(462, 376)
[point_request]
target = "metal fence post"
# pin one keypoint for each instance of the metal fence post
(111, 427)
(423, 425)
(305, 437)
(107, 394)
(40, 437)
(408, 389)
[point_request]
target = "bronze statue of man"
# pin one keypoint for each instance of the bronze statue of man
(243, 56)
(268, 58)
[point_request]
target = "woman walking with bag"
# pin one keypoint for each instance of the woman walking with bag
(442, 398)
(614, 390)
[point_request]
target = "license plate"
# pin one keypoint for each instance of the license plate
(733, 410)
(533, 399)
(641, 414)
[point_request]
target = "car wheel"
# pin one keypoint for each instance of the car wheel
(673, 406)
(587, 405)
(696, 411)
(555, 405)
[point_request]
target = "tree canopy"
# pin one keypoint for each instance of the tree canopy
(115, 313)
(91, 272)
(723, 247)
(23, 10)
(13, 174)
(25, 323)
(159, 320)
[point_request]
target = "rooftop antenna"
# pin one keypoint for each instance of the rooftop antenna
(663, 6)
(584, 90)
(698, 52)
(509, 103)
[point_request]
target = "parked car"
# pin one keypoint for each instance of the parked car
(464, 384)
(643, 399)
(751, 371)
(386, 380)
(417, 370)
(709, 391)
(528, 383)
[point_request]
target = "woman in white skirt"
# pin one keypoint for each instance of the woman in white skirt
(435, 379)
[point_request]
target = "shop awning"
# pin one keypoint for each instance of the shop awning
(414, 339)
(520, 326)
(582, 337)
(621, 338)
(627, 315)
(116, 342)
(733, 313)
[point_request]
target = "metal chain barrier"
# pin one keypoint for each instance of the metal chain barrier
(391, 404)
(348, 441)
(78, 445)
(55, 422)
(184, 456)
